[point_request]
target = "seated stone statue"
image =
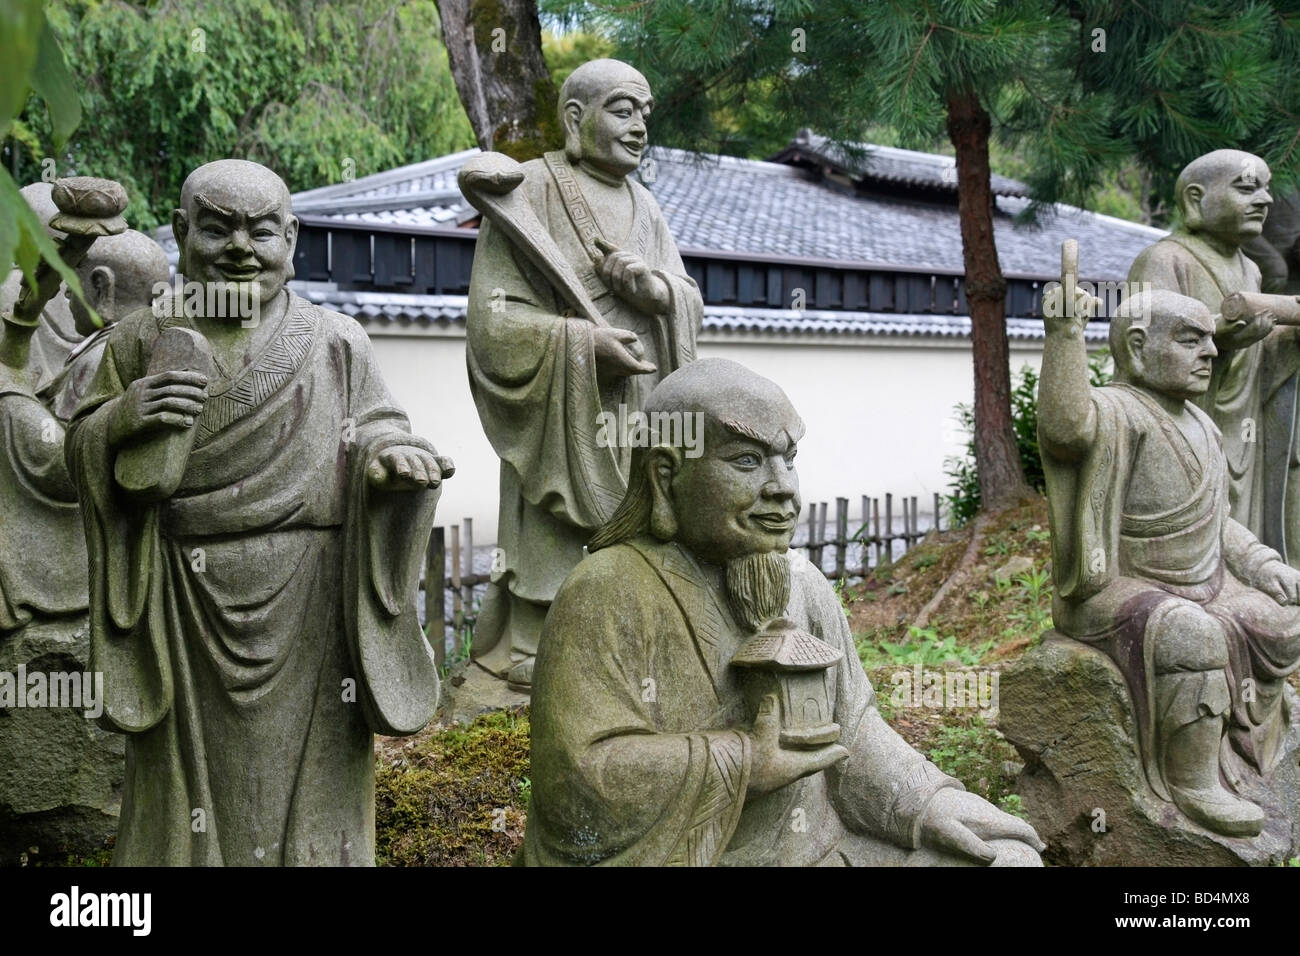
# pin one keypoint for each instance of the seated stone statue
(698, 699)
(1148, 566)
(256, 512)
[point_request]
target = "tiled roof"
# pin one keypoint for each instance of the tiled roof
(886, 164)
(722, 203)
(448, 310)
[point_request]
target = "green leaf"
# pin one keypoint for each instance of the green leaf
(21, 22)
(54, 83)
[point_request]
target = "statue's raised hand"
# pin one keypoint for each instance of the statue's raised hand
(165, 400)
(406, 468)
(773, 766)
(1055, 315)
(632, 279)
(960, 822)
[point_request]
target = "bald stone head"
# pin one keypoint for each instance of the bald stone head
(1164, 342)
(119, 275)
(236, 225)
(603, 109)
(39, 198)
(739, 494)
(1224, 196)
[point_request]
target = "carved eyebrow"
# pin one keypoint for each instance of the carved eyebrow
(620, 93)
(740, 428)
(267, 211)
(771, 445)
(208, 204)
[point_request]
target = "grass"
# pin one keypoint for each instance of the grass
(454, 796)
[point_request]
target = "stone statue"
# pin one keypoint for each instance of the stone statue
(60, 775)
(119, 275)
(1277, 250)
(256, 511)
(1199, 616)
(1224, 200)
(579, 304)
(56, 335)
(698, 699)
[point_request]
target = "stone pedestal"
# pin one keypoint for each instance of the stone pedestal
(60, 775)
(1066, 708)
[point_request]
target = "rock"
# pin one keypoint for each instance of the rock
(1067, 710)
(1013, 569)
(60, 775)
(475, 691)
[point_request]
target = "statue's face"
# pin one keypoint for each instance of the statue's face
(1234, 203)
(240, 230)
(613, 131)
(1174, 357)
(740, 497)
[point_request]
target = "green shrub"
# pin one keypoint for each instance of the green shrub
(977, 756)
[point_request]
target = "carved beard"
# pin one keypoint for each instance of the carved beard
(758, 588)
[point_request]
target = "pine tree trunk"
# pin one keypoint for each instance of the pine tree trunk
(494, 48)
(1001, 476)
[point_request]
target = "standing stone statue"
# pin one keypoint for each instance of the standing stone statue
(1199, 616)
(1224, 200)
(60, 776)
(579, 304)
(698, 699)
(1277, 250)
(256, 511)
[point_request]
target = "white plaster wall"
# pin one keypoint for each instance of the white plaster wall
(878, 411)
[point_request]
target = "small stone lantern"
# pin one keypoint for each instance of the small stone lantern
(799, 669)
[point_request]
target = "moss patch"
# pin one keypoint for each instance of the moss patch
(453, 796)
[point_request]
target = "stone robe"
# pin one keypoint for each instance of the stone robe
(63, 392)
(638, 750)
(257, 626)
(42, 548)
(532, 373)
(1132, 537)
(1252, 389)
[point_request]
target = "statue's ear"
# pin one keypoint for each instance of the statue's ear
(663, 463)
(572, 119)
(1192, 196)
(291, 237)
(180, 228)
(1137, 339)
(102, 285)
